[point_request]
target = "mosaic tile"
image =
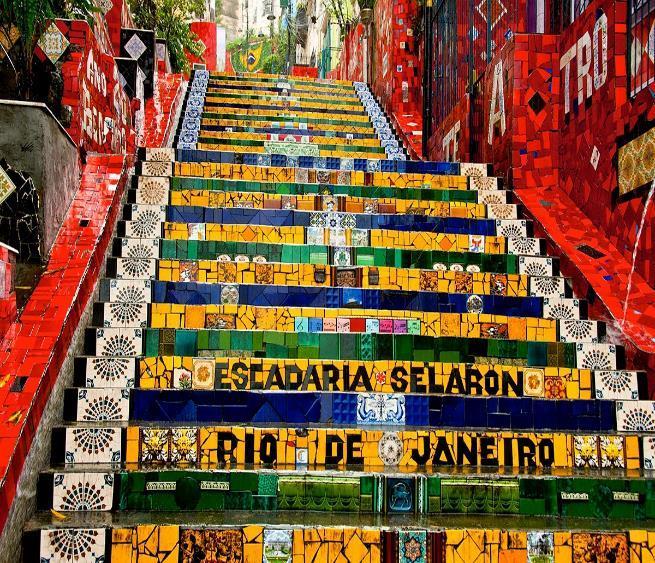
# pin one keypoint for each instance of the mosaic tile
(373, 408)
(278, 546)
(118, 372)
(635, 416)
(74, 492)
(7, 186)
(119, 342)
(84, 545)
(92, 445)
(53, 43)
(621, 385)
(110, 404)
(412, 546)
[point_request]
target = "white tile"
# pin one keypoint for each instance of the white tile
(596, 356)
(122, 342)
(524, 246)
(489, 197)
(131, 291)
(617, 385)
(558, 308)
(83, 492)
(548, 286)
(93, 445)
(516, 228)
(503, 211)
(136, 268)
(139, 247)
(111, 372)
(156, 168)
(635, 416)
(473, 169)
(380, 408)
(536, 266)
(161, 154)
(65, 545)
(152, 190)
(103, 404)
(571, 330)
(125, 314)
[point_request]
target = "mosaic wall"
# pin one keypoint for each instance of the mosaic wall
(102, 117)
(602, 123)
(587, 131)
(207, 40)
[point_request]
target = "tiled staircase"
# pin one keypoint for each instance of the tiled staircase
(298, 322)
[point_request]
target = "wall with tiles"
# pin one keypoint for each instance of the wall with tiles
(145, 543)
(34, 143)
(7, 294)
(591, 133)
(304, 71)
(117, 17)
(607, 132)
(207, 39)
(394, 62)
(101, 113)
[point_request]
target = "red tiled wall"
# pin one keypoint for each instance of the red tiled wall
(459, 118)
(607, 117)
(117, 17)
(527, 153)
(351, 65)
(102, 118)
(536, 111)
(206, 32)
(545, 145)
(395, 55)
(305, 71)
(7, 294)
(499, 131)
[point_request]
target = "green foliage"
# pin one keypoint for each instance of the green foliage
(169, 18)
(273, 59)
(31, 18)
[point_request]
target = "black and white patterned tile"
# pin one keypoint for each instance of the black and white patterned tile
(503, 211)
(524, 246)
(125, 313)
(553, 287)
(87, 491)
(474, 169)
(66, 545)
(126, 342)
(493, 197)
(536, 266)
(129, 291)
(136, 268)
(635, 416)
(92, 445)
(575, 330)
(156, 168)
(619, 385)
(595, 356)
(103, 371)
(510, 228)
(561, 308)
(482, 183)
(103, 404)
(152, 190)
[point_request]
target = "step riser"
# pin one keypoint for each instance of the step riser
(371, 493)
(200, 406)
